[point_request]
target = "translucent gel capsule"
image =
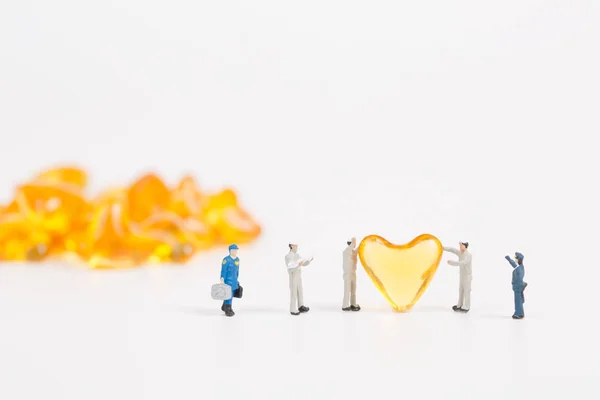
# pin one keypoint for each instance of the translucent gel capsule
(147, 196)
(176, 238)
(187, 200)
(228, 220)
(401, 273)
(52, 207)
(70, 175)
(122, 227)
(13, 207)
(104, 242)
(117, 241)
(109, 196)
(153, 225)
(20, 241)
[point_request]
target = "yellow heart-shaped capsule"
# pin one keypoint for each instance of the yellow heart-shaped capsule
(401, 273)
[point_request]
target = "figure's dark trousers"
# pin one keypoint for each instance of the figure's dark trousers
(519, 303)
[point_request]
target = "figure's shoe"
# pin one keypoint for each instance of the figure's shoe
(223, 307)
(347, 309)
(294, 313)
(303, 309)
(229, 311)
(518, 316)
(463, 310)
(355, 308)
(455, 308)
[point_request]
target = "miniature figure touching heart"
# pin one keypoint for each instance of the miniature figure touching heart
(401, 273)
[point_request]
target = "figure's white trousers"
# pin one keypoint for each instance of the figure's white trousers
(464, 293)
(296, 297)
(349, 291)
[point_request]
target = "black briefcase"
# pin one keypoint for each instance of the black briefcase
(238, 292)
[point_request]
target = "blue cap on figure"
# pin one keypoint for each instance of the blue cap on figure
(233, 247)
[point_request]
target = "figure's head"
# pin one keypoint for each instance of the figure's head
(293, 246)
(463, 245)
(519, 257)
(233, 250)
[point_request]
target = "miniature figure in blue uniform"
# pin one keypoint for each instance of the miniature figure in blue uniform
(230, 269)
(518, 285)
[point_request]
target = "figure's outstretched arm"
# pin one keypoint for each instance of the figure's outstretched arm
(511, 261)
(452, 250)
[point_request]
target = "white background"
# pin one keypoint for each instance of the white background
(469, 120)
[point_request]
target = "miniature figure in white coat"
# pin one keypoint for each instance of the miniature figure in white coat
(350, 259)
(294, 263)
(466, 276)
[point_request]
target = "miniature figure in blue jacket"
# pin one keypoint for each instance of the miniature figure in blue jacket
(230, 269)
(518, 285)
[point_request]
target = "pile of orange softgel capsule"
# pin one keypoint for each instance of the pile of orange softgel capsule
(145, 223)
